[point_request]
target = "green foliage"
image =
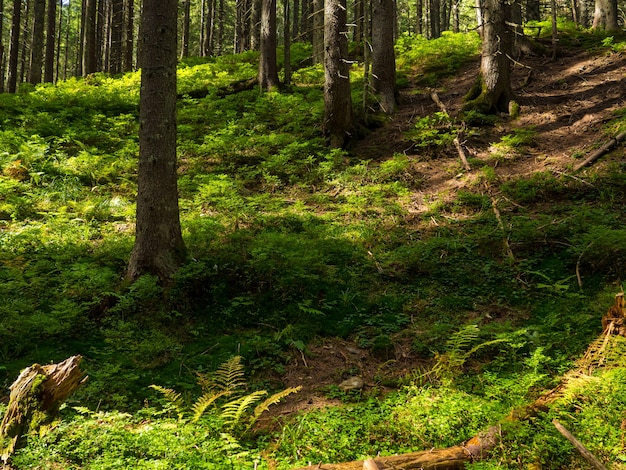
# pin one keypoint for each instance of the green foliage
(433, 131)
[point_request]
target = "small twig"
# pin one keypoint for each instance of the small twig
(580, 281)
(496, 211)
(588, 456)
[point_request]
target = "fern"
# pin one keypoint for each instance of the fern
(202, 403)
(265, 405)
(458, 351)
(173, 398)
(229, 376)
(234, 410)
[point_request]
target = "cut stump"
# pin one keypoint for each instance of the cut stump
(35, 399)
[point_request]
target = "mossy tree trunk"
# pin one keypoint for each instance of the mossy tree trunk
(383, 54)
(35, 399)
(492, 92)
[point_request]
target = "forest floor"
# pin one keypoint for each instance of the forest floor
(566, 101)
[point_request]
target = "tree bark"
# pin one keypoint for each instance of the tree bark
(337, 97)
(159, 248)
(268, 70)
(184, 48)
(37, 43)
(49, 62)
(14, 46)
(35, 399)
(605, 15)
(116, 41)
(89, 38)
(492, 93)
(383, 55)
(129, 35)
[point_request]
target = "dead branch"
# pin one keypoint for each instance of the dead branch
(588, 456)
(606, 148)
(457, 140)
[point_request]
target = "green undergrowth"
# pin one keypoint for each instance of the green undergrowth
(290, 241)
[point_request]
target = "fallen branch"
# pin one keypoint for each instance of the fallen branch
(588, 456)
(36, 396)
(457, 140)
(606, 148)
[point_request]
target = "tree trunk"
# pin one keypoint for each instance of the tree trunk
(89, 38)
(255, 25)
(25, 51)
(240, 15)
(492, 93)
(184, 49)
(51, 19)
(605, 15)
(419, 25)
(159, 248)
(287, 41)
(35, 399)
(337, 97)
(116, 41)
(435, 19)
(317, 34)
(268, 70)
(129, 35)
(37, 42)
(14, 47)
(383, 55)
(220, 27)
(533, 10)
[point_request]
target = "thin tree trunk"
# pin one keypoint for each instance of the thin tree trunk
(37, 42)
(287, 42)
(117, 28)
(184, 49)
(383, 55)
(268, 71)
(25, 51)
(129, 35)
(2, 48)
(89, 38)
(337, 97)
(14, 47)
(51, 20)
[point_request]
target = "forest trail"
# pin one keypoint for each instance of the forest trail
(565, 101)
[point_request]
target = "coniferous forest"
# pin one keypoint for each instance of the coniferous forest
(259, 235)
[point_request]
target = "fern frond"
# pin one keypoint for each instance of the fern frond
(234, 410)
(202, 403)
(229, 376)
(172, 396)
(277, 397)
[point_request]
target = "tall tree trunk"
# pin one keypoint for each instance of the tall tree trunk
(184, 49)
(25, 51)
(117, 28)
(89, 38)
(14, 47)
(383, 55)
(337, 97)
(435, 19)
(287, 41)
(2, 48)
(51, 20)
(240, 14)
(295, 22)
(419, 24)
(57, 64)
(129, 35)
(208, 45)
(268, 70)
(359, 26)
(492, 93)
(605, 15)
(37, 42)
(101, 26)
(220, 27)
(456, 24)
(533, 10)
(159, 248)
(255, 25)
(306, 20)
(585, 12)
(317, 35)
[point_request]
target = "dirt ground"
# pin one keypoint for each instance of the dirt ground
(566, 101)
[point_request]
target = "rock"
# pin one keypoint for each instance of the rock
(353, 383)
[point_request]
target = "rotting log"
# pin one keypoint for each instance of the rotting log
(451, 458)
(477, 448)
(35, 398)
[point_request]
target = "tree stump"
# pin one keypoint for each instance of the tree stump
(35, 399)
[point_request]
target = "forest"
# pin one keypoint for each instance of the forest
(242, 234)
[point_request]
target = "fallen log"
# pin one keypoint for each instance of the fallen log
(478, 447)
(588, 456)
(606, 148)
(35, 398)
